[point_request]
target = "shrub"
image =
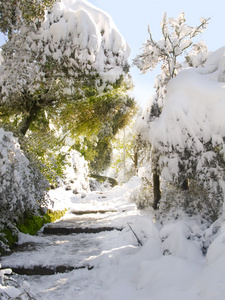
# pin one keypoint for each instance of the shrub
(22, 186)
(31, 224)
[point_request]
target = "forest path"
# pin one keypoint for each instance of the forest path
(83, 254)
(70, 243)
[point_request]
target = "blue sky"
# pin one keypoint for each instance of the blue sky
(133, 16)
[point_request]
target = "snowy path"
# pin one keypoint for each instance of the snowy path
(68, 243)
(169, 265)
(86, 253)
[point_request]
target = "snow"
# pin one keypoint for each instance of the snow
(194, 103)
(192, 118)
(76, 171)
(16, 177)
(89, 28)
(77, 35)
(170, 264)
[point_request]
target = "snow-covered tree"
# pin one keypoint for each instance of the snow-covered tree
(169, 51)
(16, 12)
(124, 160)
(75, 175)
(189, 134)
(75, 52)
(22, 187)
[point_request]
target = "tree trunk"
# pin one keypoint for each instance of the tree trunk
(156, 190)
(136, 160)
(27, 120)
(185, 185)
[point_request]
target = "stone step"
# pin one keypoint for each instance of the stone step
(42, 270)
(86, 212)
(54, 230)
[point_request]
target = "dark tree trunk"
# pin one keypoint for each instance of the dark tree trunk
(136, 160)
(185, 185)
(27, 120)
(156, 190)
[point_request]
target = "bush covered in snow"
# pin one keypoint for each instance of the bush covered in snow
(22, 187)
(175, 203)
(188, 137)
(143, 194)
(76, 171)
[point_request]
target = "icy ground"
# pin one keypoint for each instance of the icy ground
(169, 264)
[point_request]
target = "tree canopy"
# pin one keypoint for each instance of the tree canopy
(171, 52)
(14, 13)
(189, 134)
(177, 38)
(77, 48)
(65, 73)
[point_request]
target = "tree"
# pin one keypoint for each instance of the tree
(22, 186)
(107, 114)
(189, 135)
(72, 53)
(177, 37)
(78, 94)
(124, 160)
(13, 13)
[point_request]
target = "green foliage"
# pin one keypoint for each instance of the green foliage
(87, 115)
(96, 117)
(130, 150)
(53, 215)
(99, 121)
(44, 147)
(13, 13)
(31, 224)
(102, 158)
(34, 9)
(41, 146)
(57, 99)
(8, 237)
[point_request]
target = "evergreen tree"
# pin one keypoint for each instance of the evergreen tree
(22, 186)
(62, 78)
(66, 57)
(14, 13)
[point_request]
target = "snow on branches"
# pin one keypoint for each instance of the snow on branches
(188, 137)
(76, 43)
(176, 38)
(22, 188)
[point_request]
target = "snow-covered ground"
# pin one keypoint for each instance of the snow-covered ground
(169, 264)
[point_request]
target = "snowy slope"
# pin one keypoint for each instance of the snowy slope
(169, 265)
